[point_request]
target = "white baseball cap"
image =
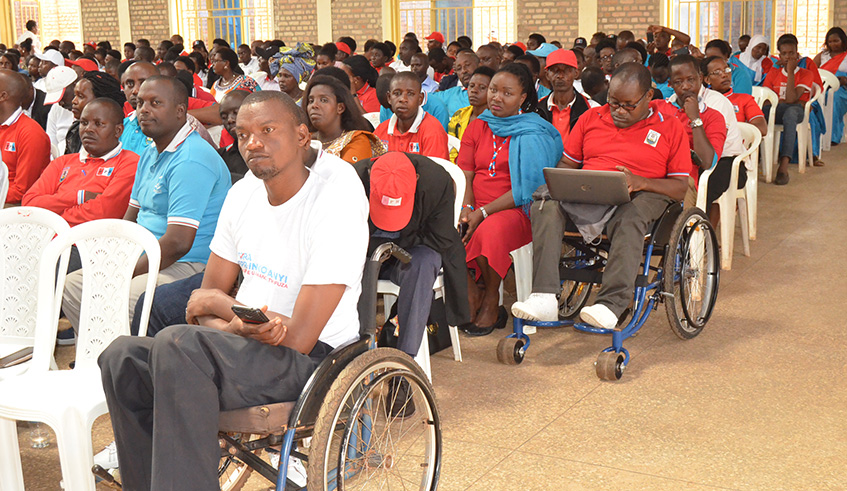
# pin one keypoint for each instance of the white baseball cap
(53, 56)
(57, 80)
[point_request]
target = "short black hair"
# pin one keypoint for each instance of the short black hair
(485, 70)
(538, 38)
(105, 45)
(407, 76)
(721, 45)
(744, 37)
(684, 60)
(606, 43)
(704, 65)
(221, 42)
(143, 42)
(392, 48)
(658, 60)
(436, 55)
(30, 24)
(291, 107)
(369, 44)
(328, 50)
(640, 48)
(114, 110)
(188, 62)
(465, 41)
(130, 45)
(177, 90)
(593, 79)
(634, 72)
(382, 47)
(336, 73)
(455, 43)
(787, 39)
(532, 60)
(515, 50)
(349, 42)
(114, 54)
(167, 44)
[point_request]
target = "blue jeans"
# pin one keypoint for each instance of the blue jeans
(169, 303)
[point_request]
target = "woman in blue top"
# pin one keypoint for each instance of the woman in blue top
(502, 156)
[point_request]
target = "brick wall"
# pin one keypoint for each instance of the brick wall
(60, 19)
(149, 19)
(296, 21)
(100, 21)
(840, 11)
(556, 20)
(614, 16)
(359, 19)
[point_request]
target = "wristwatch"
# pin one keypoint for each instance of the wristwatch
(696, 123)
(484, 213)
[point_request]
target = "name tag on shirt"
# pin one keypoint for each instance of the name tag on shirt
(9, 147)
(652, 138)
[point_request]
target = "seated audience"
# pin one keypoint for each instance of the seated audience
(565, 105)
(24, 146)
(89, 87)
(411, 129)
(756, 58)
(379, 55)
(312, 313)
(96, 182)
(457, 97)
(741, 81)
(295, 65)
(420, 67)
(431, 103)
(534, 66)
(335, 119)
(717, 75)
(231, 156)
(179, 202)
(594, 84)
(225, 66)
(362, 82)
(412, 204)
(502, 156)
(489, 56)
(631, 136)
(793, 85)
(478, 98)
(59, 96)
(833, 59)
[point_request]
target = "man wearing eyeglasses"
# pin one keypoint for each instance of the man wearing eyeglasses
(629, 135)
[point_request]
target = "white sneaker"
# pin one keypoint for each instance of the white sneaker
(108, 457)
(538, 307)
(296, 469)
(598, 315)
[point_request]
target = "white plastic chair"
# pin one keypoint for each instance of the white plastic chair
(70, 400)
(830, 85)
(762, 95)
(390, 290)
(25, 233)
(373, 118)
(4, 183)
(744, 197)
(453, 143)
(804, 135)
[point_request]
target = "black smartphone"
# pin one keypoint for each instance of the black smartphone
(463, 229)
(250, 315)
(682, 51)
(649, 37)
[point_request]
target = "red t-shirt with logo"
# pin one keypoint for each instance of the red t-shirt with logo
(25, 149)
(655, 147)
(745, 107)
(777, 80)
(425, 137)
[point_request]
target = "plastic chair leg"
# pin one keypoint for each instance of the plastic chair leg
(454, 338)
(422, 358)
(751, 190)
(75, 452)
(727, 210)
(745, 225)
(802, 143)
(11, 473)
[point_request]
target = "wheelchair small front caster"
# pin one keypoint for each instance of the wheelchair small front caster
(510, 351)
(609, 365)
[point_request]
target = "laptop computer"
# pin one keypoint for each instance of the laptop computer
(596, 187)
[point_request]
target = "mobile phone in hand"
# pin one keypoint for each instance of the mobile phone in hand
(649, 37)
(682, 51)
(463, 229)
(250, 315)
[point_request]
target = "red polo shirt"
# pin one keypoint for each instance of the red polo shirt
(425, 137)
(714, 125)
(777, 80)
(367, 96)
(62, 186)
(654, 147)
(25, 149)
(745, 107)
(561, 118)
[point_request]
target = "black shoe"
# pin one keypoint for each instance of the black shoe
(473, 330)
(502, 317)
(399, 400)
(781, 179)
(66, 337)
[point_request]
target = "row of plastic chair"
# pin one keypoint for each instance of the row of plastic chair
(34, 242)
(4, 183)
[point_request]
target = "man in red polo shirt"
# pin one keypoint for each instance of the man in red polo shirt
(565, 105)
(24, 146)
(411, 129)
(96, 182)
(629, 135)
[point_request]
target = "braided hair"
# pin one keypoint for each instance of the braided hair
(104, 85)
(524, 76)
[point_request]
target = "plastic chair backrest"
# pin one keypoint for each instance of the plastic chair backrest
(752, 138)
(109, 250)
(25, 232)
(373, 118)
(459, 182)
(453, 143)
(830, 81)
(4, 183)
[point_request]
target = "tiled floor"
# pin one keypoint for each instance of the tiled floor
(757, 401)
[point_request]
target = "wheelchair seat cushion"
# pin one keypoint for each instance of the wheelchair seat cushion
(264, 419)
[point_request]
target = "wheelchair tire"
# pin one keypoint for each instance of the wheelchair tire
(382, 445)
(232, 472)
(574, 294)
(609, 365)
(510, 351)
(691, 269)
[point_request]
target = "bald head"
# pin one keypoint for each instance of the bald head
(632, 74)
(12, 84)
(626, 55)
(133, 77)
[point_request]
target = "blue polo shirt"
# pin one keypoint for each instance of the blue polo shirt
(454, 98)
(132, 138)
(184, 185)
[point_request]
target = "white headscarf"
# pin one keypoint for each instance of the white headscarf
(747, 56)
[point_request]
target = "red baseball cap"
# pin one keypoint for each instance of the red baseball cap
(563, 56)
(84, 63)
(92, 44)
(392, 197)
(436, 36)
(343, 47)
(520, 45)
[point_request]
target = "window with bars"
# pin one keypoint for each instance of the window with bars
(483, 21)
(237, 21)
(705, 20)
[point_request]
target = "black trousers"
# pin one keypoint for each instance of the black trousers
(165, 394)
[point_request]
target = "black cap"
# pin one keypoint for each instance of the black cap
(580, 43)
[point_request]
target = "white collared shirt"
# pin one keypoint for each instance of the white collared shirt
(415, 125)
(734, 144)
(83, 154)
(13, 118)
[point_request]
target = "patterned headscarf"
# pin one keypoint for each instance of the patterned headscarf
(299, 61)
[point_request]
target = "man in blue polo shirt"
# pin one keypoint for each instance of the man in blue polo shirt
(456, 98)
(179, 188)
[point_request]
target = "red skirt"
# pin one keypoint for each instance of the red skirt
(497, 236)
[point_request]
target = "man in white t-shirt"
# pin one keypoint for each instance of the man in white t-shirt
(282, 232)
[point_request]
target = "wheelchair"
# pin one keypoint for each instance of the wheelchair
(368, 416)
(680, 268)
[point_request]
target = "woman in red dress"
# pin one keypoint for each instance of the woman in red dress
(502, 156)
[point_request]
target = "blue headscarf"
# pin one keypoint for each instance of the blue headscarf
(535, 144)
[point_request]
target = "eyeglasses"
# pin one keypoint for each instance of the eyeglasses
(614, 106)
(607, 57)
(715, 73)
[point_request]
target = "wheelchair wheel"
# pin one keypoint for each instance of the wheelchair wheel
(232, 472)
(378, 428)
(691, 273)
(574, 294)
(510, 351)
